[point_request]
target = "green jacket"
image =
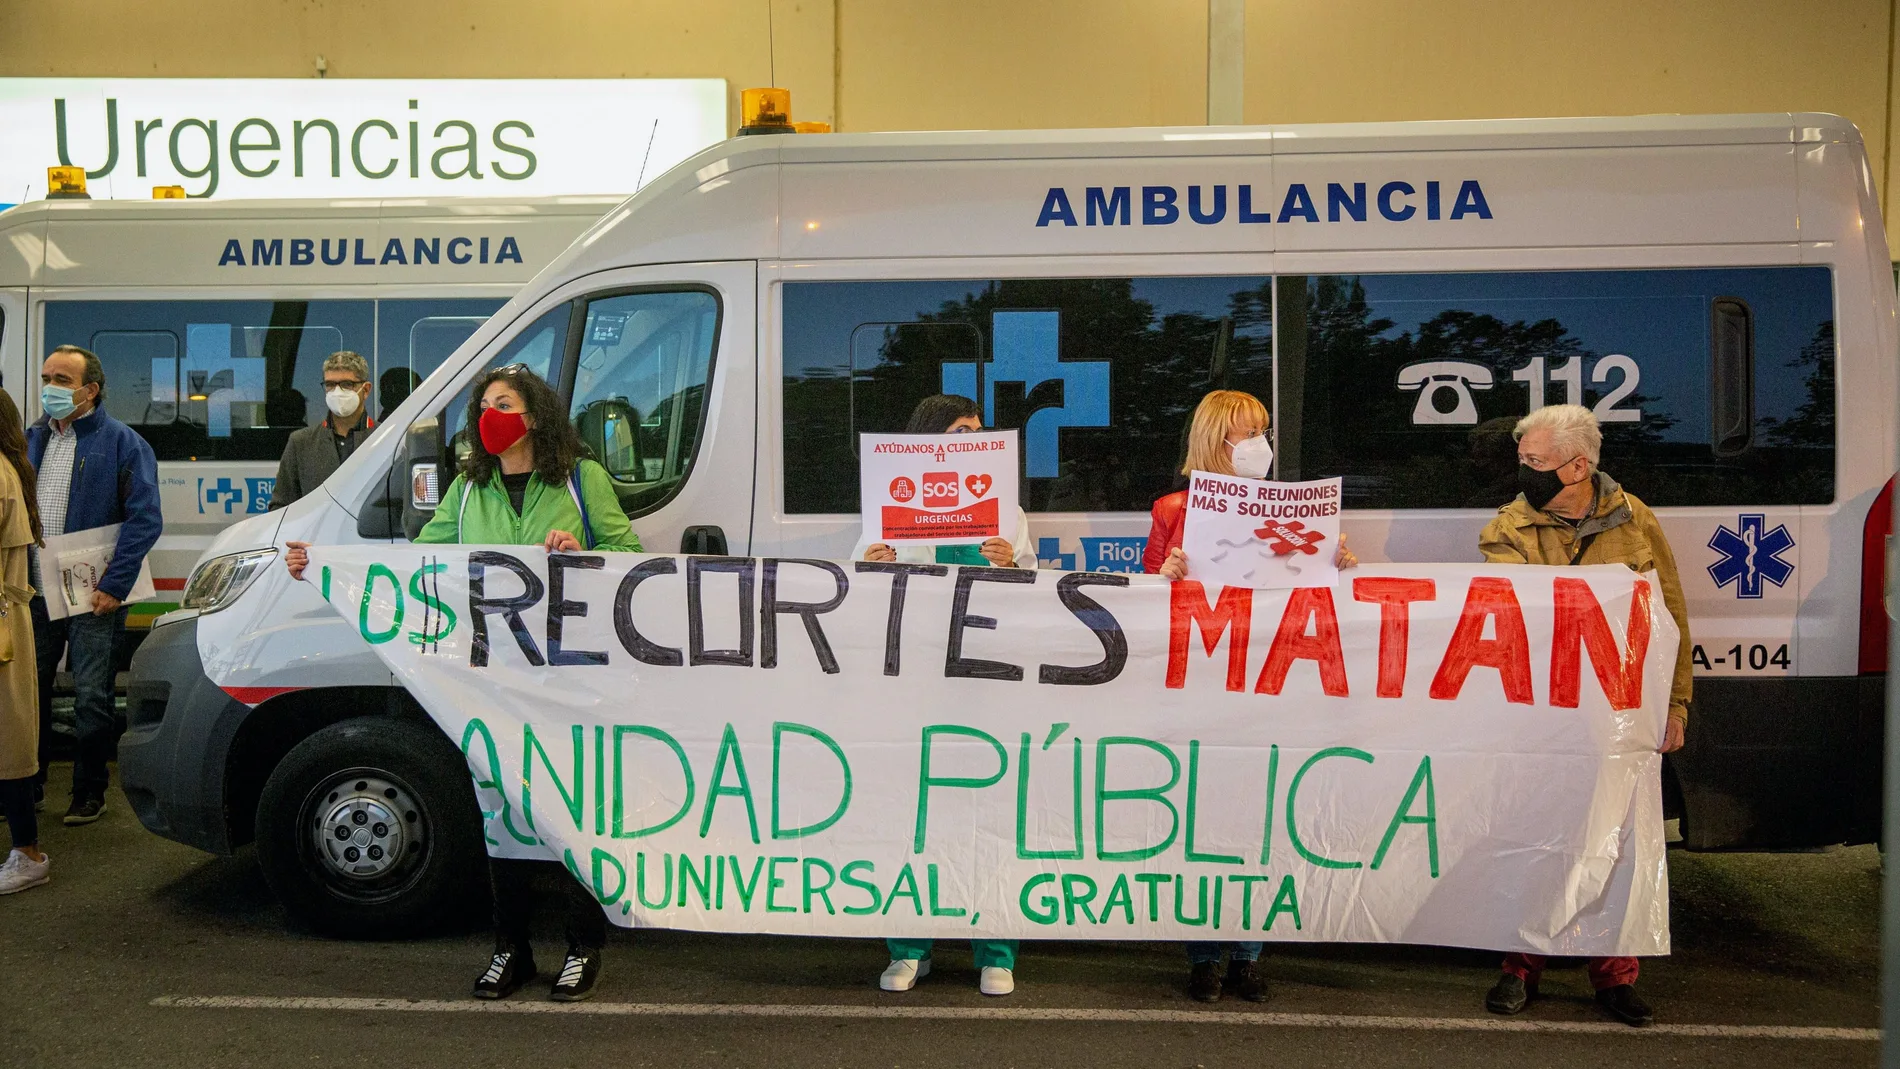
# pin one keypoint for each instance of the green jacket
(490, 519)
(1626, 533)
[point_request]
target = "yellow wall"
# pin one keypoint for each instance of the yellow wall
(947, 64)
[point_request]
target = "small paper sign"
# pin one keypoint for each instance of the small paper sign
(1266, 535)
(937, 489)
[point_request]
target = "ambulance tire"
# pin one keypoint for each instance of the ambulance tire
(369, 829)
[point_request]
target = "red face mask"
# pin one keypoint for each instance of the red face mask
(500, 429)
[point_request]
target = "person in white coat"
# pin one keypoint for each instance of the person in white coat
(947, 413)
(951, 414)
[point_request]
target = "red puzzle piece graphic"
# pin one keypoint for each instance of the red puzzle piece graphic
(1285, 538)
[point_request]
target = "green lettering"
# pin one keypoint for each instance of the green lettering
(1273, 779)
(700, 880)
(1050, 907)
(746, 889)
(1022, 803)
(1150, 794)
(823, 890)
(729, 744)
(493, 782)
(640, 881)
(1423, 777)
(1292, 792)
(1077, 892)
(530, 746)
(773, 883)
(1201, 917)
(377, 638)
(904, 876)
(621, 731)
(844, 800)
(936, 910)
(925, 780)
(1194, 784)
(877, 896)
(1120, 895)
(1286, 901)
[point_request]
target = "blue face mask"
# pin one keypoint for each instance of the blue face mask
(57, 401)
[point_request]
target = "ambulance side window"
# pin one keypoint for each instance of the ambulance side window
(640, 378)
(540, 346)
(1713, 386)
(413, 337)
(214, 380)
(1100, 375)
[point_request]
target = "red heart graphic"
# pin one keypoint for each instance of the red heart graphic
(978, 484)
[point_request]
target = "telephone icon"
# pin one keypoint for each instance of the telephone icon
(1458, 376)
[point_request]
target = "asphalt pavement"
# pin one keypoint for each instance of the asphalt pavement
(145, 953)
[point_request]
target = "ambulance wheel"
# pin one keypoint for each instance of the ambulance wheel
(369, 829)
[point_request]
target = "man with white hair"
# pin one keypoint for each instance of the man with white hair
(1570, 512)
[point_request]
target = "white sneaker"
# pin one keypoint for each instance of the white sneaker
(21, 872)
(996, 980)
(903, 973)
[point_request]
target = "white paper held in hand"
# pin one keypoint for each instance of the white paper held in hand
(71, 566)
(1265, 535)
(937, 489)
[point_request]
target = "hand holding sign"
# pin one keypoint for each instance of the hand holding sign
(937, 489)
(1266, 535)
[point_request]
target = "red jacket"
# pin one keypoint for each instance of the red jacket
(1170, 517)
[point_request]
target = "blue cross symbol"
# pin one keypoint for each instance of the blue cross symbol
(1025, 348)
(220, 489)
(1751, 555)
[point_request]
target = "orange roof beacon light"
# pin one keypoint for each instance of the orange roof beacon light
(765, 111)
(66, 183)
(812, 127)
(168, 192)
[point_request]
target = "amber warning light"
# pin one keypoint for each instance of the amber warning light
(765, 111)
(66, 183)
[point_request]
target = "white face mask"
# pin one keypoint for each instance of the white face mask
(1253, 458)
(343, 401)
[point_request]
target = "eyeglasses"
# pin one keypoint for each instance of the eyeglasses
(347, 384)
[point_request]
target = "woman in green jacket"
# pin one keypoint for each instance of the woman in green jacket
(525, 482)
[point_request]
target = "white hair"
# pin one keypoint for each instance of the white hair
(1573, 430)
(344, 360)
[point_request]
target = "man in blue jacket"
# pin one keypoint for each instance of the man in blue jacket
(93, 472)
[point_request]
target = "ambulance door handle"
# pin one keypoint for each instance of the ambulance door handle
(703, 540)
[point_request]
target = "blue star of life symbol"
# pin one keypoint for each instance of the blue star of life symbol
(220, 489)
(1025, 348)
(1750, 555)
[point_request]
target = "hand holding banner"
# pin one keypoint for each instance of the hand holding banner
(937, 489)
(1265, 535)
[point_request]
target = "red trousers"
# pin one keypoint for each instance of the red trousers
(1604, 972)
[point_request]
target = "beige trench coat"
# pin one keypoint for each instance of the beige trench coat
(19, 676)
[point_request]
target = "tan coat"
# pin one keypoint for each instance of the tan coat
(1626, 533)
(19, 675)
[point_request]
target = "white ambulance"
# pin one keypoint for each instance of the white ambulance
(212, 320)
(1717, 289)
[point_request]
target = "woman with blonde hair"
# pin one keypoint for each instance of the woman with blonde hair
(27, 865)
(1228, 437)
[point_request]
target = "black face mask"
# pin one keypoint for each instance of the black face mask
(1539, 487)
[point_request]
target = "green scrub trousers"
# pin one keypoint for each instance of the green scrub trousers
(1000, 953)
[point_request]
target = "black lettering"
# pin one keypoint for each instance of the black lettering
(957, 666)
(642, 648)
(770, 607)
(480, 605)
(1108, 631)
(698, 654)
(894, 624)
(559, 608)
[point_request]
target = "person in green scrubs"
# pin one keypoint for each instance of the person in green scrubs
(951, 414)
(526, 482)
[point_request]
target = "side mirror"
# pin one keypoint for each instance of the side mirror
(418, 475)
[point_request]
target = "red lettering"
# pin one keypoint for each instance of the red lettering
(1187, 606)
(1394, 597)
(1292, 643)
(1579, 623)
(1489, 597)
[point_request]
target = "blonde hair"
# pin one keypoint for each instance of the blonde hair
(1573, 430)
(1217, 414)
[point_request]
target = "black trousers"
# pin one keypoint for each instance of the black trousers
(514, 883)
(16, 801)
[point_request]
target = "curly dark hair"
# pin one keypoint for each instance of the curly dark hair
(13, 448)
(557, 446)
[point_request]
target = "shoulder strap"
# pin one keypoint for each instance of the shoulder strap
(462, 509)
(574, 488)
(1583, 546)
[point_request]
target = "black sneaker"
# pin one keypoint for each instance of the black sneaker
(506, 972)
(1204, 981)
(578, 974)
(85, 811)
(1244, 981)
(1625, 1006)
(1509, 995)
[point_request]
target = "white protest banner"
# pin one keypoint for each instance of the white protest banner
(71, 565)
(1448, 754)
(937, 489)
(1266, 535)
